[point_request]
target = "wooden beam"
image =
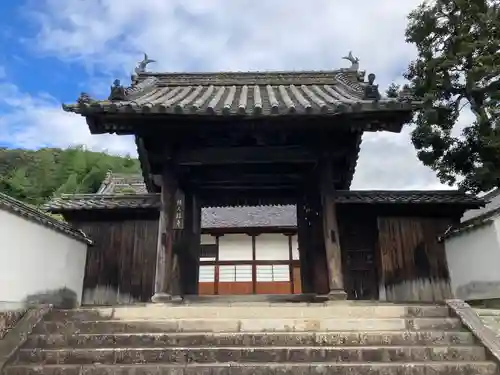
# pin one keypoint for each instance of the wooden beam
(247, 179)
(222, 171)
(245, 155)
(247, 262)
(214, 188)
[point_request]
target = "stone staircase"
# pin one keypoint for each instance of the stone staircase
(253, 338)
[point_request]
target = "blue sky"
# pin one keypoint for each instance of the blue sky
(51, 50)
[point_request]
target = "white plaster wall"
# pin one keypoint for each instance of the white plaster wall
(35, 259)
(235, 246)
(271, 246)
(208, 239)
(295, 247)
(474, 262)
(496, 223)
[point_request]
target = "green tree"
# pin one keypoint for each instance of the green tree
(70, 186)
(458, 69)
(92, 181)
(72, 161)
(42, 170)
(18, 185)
(34, 176)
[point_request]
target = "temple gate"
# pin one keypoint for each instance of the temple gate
(256, 138)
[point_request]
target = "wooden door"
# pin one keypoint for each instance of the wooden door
(358, 243)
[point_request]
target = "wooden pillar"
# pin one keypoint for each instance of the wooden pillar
(254, 266)
(164, 283)
(290, 264)
(192, 244)
(306, 276)
(179, 247)
(216, 274)
(331, 232)
(196, 244)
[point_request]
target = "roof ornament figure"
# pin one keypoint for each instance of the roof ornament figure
(355, 66)
(405, 94)
(84, 98)
(354, 61)
(371, 89)
(117, 91)
(141, 66)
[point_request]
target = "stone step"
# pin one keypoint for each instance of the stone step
(490, 319)
(487, 312)
(246, 325)
(419, 368)
(252, 354)
(249, 339)
(286, 311)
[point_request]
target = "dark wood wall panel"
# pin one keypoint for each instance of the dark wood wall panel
(358, 240)
(413, 262)
(122, 260)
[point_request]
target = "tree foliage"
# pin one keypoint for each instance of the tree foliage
(36, 176)
(457, 70)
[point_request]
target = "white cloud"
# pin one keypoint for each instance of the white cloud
(222, 35)
(388, 161)
(215, 35)
(37, 121)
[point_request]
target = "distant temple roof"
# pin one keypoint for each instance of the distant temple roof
(21, 209)
(126, 192)
(117, 183)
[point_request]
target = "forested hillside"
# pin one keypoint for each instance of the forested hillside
(35, 176)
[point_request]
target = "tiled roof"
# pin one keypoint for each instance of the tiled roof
(216, 217)
(409, 196)
(478, 217)
(21, 209)
(224, 217)
(82, 202)
(492, 206)
(243, 94)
